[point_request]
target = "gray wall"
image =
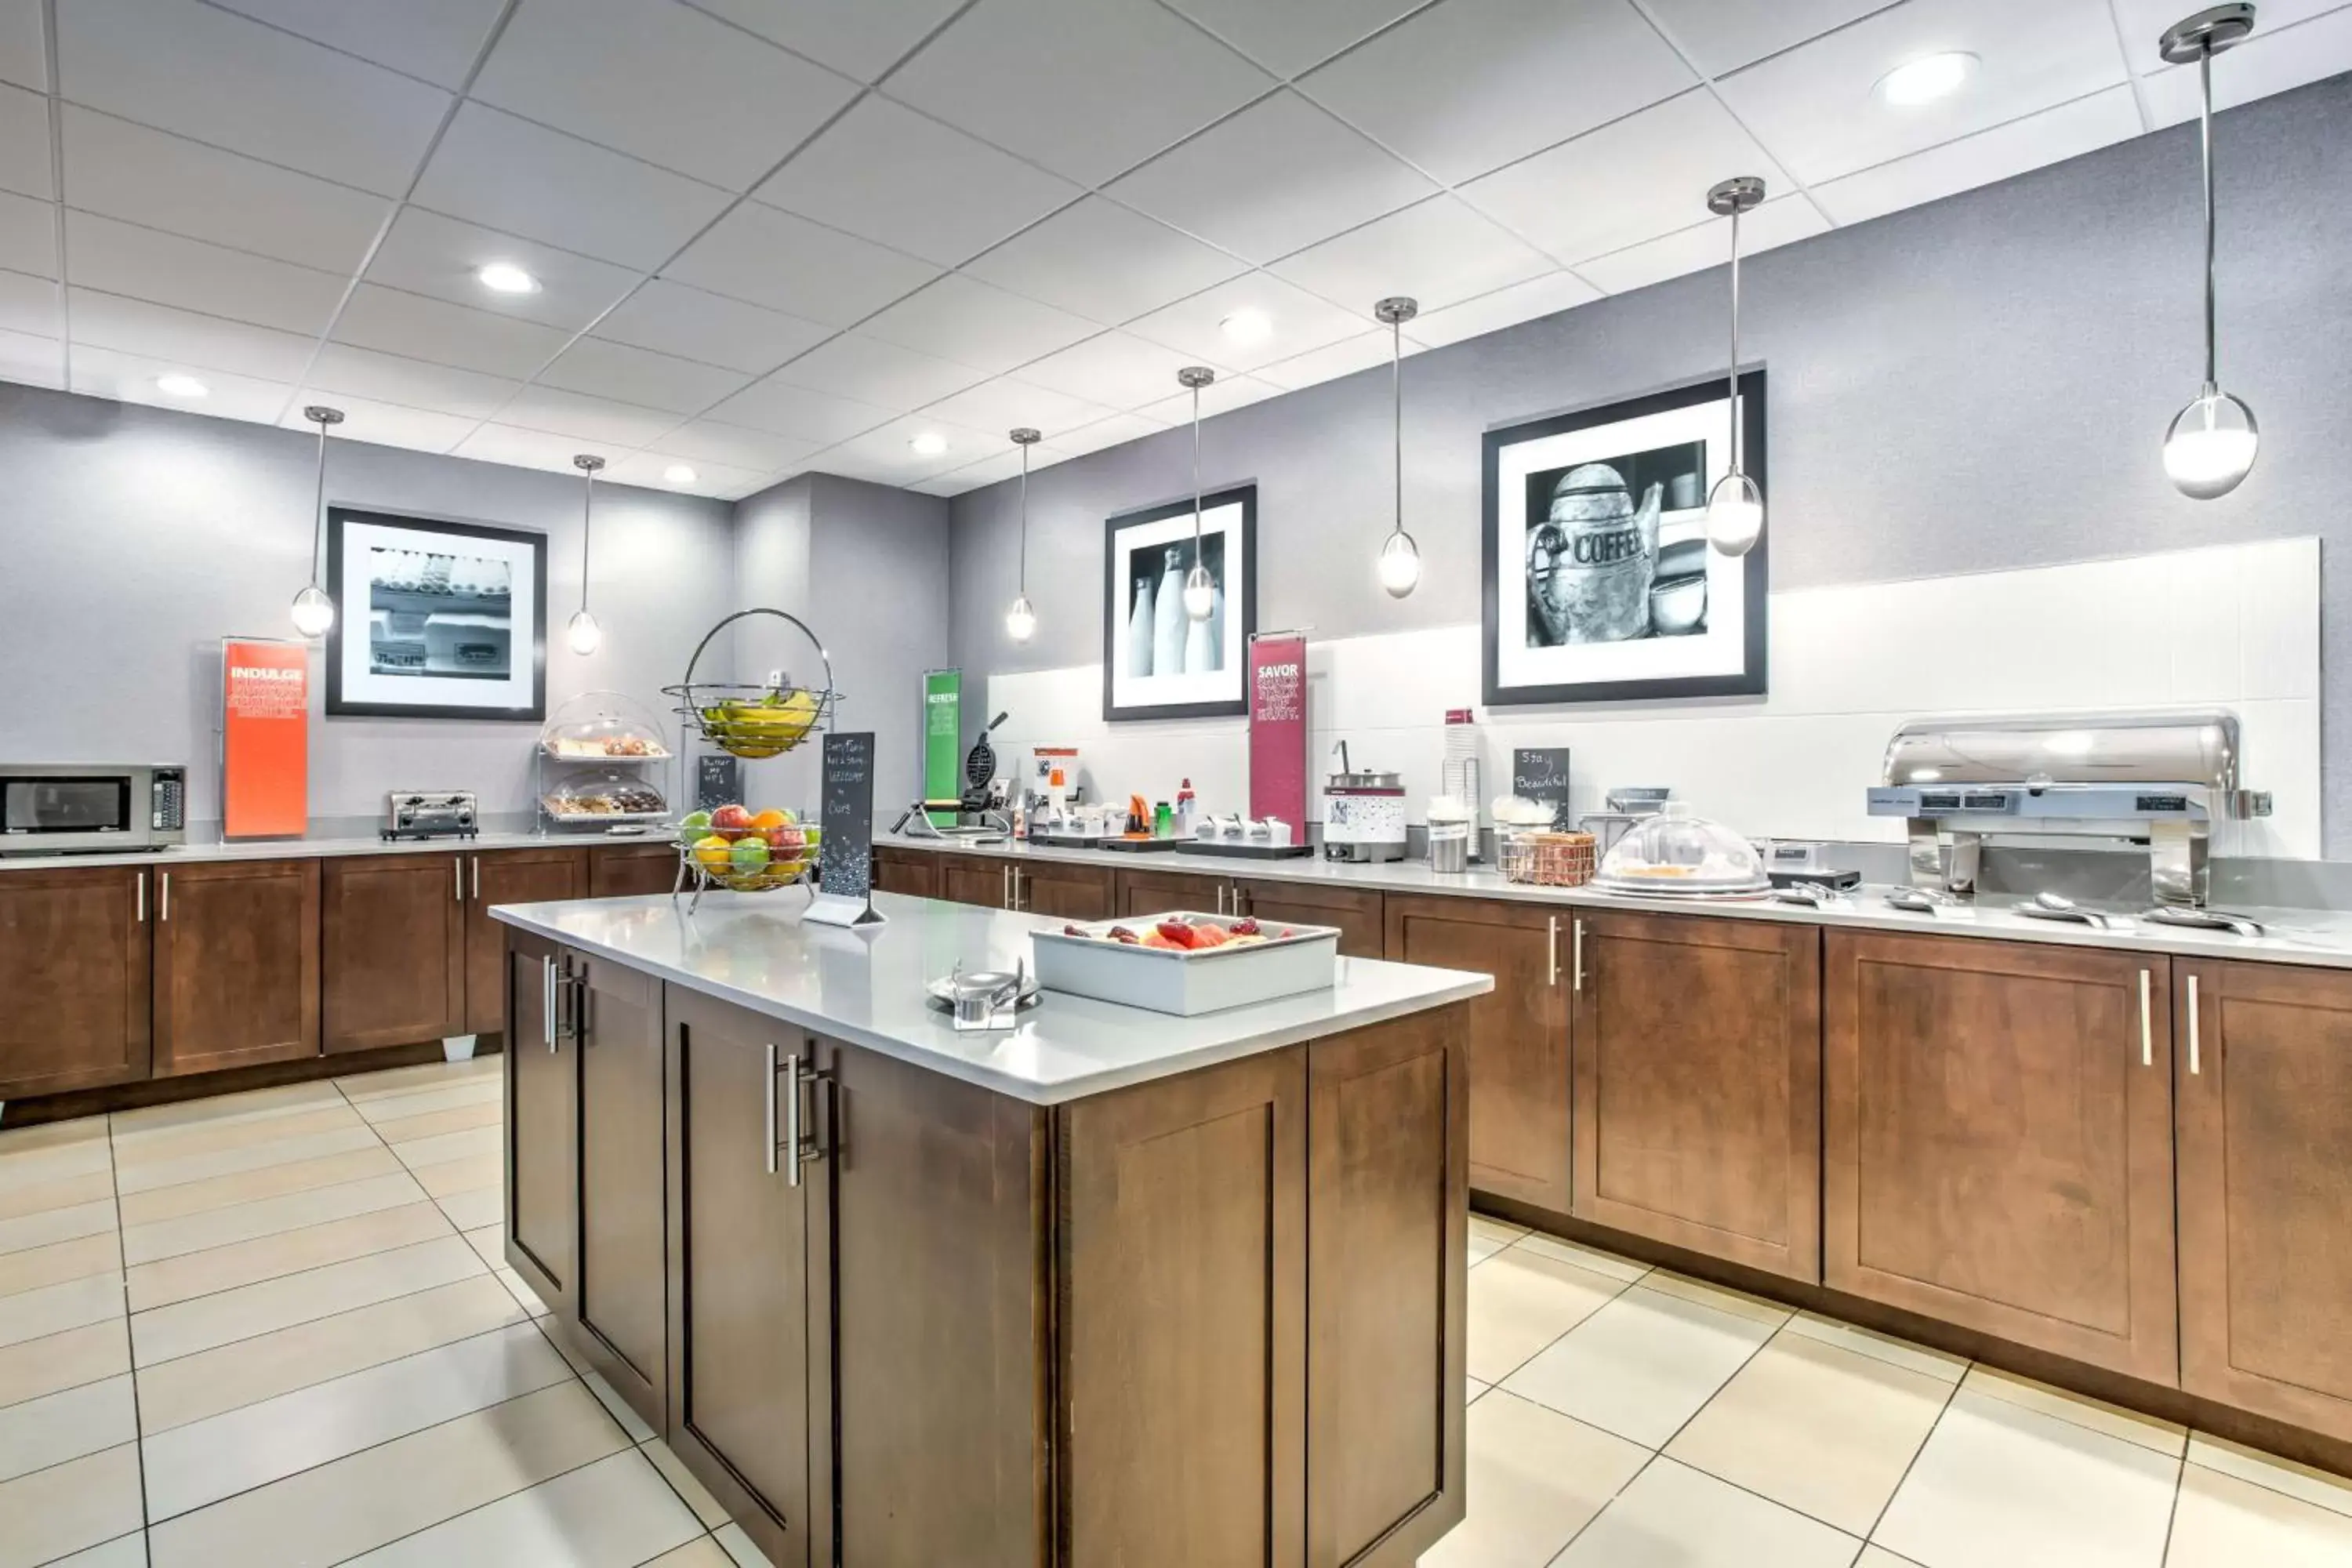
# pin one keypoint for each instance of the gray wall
(1976, 384)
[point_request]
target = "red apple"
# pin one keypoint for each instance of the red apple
(730, 822)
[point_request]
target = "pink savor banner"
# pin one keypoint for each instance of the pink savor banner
(1277, 718)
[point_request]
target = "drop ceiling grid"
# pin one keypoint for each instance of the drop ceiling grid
(1324, 354)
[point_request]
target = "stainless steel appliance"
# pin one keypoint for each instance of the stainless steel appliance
(2158, 779)
(429, 814)
(1363, 815)
(1627, 806)
(60, 809)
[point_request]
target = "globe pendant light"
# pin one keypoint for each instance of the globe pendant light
(1735, 508)
(314, 608)
(582, 633)
(1400, 556)
(2211, 443)
(1021, 620)
(1200, 588)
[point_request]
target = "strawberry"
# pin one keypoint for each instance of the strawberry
(1246, 926)
(1178, 933)
(1121, 933)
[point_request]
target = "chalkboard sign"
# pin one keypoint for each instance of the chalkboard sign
(1540, 773)
(717, 780)
(845, 867)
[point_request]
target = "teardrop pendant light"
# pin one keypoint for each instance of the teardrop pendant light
(314, 607)
(1400, 563)
(1735, 507)
(584, 634)
(1200, 588)
(1021, 620)
(2211, 445)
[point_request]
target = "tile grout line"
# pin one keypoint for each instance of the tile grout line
(1942, 1410)
(129, 1357)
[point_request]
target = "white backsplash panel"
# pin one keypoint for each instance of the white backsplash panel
(2235, 626)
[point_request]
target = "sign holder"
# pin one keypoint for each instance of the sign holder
(845, 864)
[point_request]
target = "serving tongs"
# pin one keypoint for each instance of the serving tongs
(2048, 905)
(2185, 917)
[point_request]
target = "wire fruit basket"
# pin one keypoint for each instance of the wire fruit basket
(1548, 859)
(754, 719)
(708, 861)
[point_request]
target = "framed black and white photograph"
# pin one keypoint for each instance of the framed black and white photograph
(1159, 662)
(439, 620)
(1600, 584)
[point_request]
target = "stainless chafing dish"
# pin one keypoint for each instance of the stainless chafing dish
(2158, 779)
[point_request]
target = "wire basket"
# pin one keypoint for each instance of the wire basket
(752, 720)
(1548, 859)
(699, 868)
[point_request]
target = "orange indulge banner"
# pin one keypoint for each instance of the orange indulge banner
(264, 738)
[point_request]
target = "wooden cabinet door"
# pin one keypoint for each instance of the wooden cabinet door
(543, 1153)
(1518, 1034)
(1155, 892)
(2263, 1076)
(747, 1414)
(637, 871)
(968, 880)
(237, 964)
(909, 871)
(1388, 1178)
(1356, 911)
(616, 1023)
(74, 975)
(394, 949)
(507, 877)
(1697, 1049)
(1997, 1140)
(1067, 892)
(1183, 1327)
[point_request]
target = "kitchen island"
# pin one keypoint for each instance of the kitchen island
(1113, 1287)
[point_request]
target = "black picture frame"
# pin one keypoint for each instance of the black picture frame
(339, 519)
(1115, 605)
(1750, 680)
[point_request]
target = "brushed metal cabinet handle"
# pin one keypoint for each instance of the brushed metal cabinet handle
(1551, 949)
(163, 898)
(2196, 1063)
(142, 897)
(791, 1121)
(1579, 957)
(2146, 1022)
(477, 875)
(546, 999)
(457, 879)
(771, 1108)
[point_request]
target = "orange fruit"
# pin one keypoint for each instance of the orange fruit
(769, 818)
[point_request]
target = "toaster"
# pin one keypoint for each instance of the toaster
(428, 814)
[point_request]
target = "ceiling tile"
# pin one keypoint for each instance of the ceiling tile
(130, 378)
(1704, 244)
(383, 424)
(1814, 106)
(1086, 87)
(193, 69)
(1229, 393)
(25, 163)
(29, 235)
(123, 258)
(2271, 61)
(1117, 430)
(2144, 21)
(1721, 36)
(1345, 357)
(412, 384)
(885, 456)
(641, 376)
(1439, 252)
(1645, 175)
(160, 332)
(1276, 177)
(525, 179)
(520, 448)
(1006, 405)
(32, 361)
(1288, 38)
(787, 410)
(786, 263)
(755, 451)
(1470, 85)
(1104, 262)
(596, 420)
(23, 48)
(396, 322)
(868, 370)
(128, 171)
(436, 39)
(425, 253)
(888, 174)
(1299, 321)
(974, 324)
(1544, 295)
(29, 305)
(671, 318)
(995, 468)
(660, 82)
(651, 469)
(2071, 128)
(1116, 370)
(862, 38)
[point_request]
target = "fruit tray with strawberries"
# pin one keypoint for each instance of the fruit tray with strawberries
(1186, 963)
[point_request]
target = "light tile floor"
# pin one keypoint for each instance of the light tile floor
(277, 1328)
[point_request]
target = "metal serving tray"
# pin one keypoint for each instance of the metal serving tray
(1186, 982)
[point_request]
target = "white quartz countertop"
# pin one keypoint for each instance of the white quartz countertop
(2321, 938)
(865, 987)
(316, 848)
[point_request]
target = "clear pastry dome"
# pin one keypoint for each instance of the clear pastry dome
(1675, 852)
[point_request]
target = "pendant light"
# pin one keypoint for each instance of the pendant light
(1400, 557)
(2211, 445)
(584, 633)
(1200, 588)
(1021, 620)
(314, 607)
(1735, 508)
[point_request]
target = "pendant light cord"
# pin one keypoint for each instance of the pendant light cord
(2205, 133)
(1733, 403)
(1196, 475)
(587, 515)
(1024, 521)
(1396, 409)
(319, 505)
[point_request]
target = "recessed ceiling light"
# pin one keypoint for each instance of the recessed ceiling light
(1926, 79)
(1249, 326)
(929, 444)
(177, 384)
(506, 278)
(680, 474)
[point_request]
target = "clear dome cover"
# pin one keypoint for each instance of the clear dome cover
(598, 725)
(1677, 853)
(604, 796)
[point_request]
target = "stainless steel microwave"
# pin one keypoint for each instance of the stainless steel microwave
(51, 809)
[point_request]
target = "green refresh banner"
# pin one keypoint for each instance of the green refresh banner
(942, 745)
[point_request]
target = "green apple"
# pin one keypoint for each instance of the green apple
(748, 855)
(695, 822)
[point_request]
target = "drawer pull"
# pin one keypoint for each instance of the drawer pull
(1552, 950)
(142, 897)
(772, 1112)
(477, 875)
(2196, 1064)
(2147, 1023)
(547, 1000)
(791, 1121)
(163, 897)
(1578, 959)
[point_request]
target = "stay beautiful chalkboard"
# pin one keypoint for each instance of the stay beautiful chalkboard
(1540, 773)
(844, 863)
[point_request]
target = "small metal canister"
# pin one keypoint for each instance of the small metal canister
(1589, 563)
